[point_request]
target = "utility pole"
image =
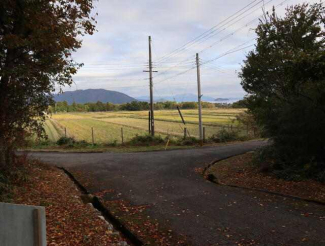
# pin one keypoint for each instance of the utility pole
(199, 96)
(152, 118)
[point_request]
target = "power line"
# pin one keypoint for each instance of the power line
(233, 50)
(227, 53)
(187, 62)
(210, 34)
(239, 29)
(205, 33)
(222, 39)
(175, 75)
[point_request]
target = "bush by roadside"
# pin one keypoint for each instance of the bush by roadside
(222, 136)
(269, 161)
(146, 140)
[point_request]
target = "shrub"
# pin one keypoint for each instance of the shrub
(189, 105)
(66, 141)
(45, 143)
(248, 121)
(269, 160)
(146, 140)
(224, 136)
(112, 144)
(189, 141)
(81, 143)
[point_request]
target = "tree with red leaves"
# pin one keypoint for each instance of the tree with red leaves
(37, 38)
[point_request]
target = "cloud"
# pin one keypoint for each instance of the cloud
(117, 54)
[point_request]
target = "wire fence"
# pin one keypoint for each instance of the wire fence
(109, 132)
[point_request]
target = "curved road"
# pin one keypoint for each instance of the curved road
(181, 200)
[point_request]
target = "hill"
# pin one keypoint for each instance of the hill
(178, 98)
(93, 95)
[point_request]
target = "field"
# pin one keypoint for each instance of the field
(107, 125)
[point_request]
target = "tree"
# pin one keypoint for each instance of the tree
(189, 105)
(170, 105)
(240, 104)
(208, 105)
(247, 120)
(285, 78)
(135, 106)
(36, 41)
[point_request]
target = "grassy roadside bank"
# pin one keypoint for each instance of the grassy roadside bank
(136, 144)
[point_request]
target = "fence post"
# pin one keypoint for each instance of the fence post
(65, 132)
(122, 135)
(203, 134)
(149, 122)
(185, 131)
(92, 135)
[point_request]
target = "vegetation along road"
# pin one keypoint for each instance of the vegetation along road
(166, 191)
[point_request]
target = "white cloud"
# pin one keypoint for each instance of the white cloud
(116, 55)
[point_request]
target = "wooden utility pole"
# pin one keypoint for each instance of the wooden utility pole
(152, 118)
(199, 96)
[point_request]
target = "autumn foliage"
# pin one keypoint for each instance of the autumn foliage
(37, 38)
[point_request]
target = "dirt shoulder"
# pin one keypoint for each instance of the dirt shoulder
(238, 171)
(134, 217)
(69, 221)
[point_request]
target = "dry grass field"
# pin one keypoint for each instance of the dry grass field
(107, 125)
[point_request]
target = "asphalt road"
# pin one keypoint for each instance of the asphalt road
(179, 198)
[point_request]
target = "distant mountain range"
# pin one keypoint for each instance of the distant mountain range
(227, 100)
(178, 98)
(221, 99)
(189, 98)
(93, 95)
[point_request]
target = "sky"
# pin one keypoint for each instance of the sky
(221, 31)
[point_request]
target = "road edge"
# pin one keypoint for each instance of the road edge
(213, 179)
(97, 204)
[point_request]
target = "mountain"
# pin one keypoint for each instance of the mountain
(178, 98)
(221, 99)
(93, 95)
(227, 100)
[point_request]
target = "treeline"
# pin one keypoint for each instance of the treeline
(132, 106)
